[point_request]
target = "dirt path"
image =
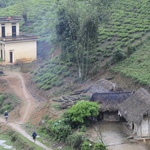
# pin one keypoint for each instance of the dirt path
(28, 106)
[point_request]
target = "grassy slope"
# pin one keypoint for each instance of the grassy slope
(137, 66)
(8, 102)
(128, 25)
(129, 22)
(17, 140)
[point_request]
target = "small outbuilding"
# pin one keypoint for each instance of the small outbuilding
(109, 104)
(136, 111)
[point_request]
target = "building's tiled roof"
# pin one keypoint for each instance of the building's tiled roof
(10, 19)
(20, 37)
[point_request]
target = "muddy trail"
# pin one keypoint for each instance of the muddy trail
(28, 105)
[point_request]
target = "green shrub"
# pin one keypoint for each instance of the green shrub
(131, 49)
(118, 56)
(86, 145)
(148, 37)
(99, 146)
(136, 37)
(66, 74)
(60, 130)
(78, 114)
(2, 98)
(83, 128)
(8, 102)
(59, 82)
(124, 39)
(122, 35)
(6, 107)
(75, 140)
(93, 59)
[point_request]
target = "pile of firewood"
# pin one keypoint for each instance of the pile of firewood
(68, 101)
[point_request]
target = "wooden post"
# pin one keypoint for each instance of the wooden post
(140, 129)
(148, 127)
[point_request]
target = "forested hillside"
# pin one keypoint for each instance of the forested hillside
(92, 35)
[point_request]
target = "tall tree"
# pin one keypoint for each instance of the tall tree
(78, 23)
(23, 7)
(73, 24)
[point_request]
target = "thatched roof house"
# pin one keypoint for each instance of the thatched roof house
(135, 107)
(102, 85)
(99, 86)
(110, 101)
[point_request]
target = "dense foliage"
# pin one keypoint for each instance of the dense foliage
(77, 31)
(75, 118)
(79, 113)
(99, 146)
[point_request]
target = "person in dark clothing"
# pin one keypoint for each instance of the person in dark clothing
(34, 135)
(6, 115)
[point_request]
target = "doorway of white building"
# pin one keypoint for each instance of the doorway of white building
(11, 57)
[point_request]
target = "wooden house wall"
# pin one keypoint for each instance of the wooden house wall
(111, 116)
(143, 129)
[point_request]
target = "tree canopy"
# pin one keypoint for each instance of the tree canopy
(82, 110)
(73, 25)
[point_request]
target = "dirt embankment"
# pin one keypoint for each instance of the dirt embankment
(15, 83)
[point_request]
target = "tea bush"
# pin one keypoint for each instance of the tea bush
(118, 56)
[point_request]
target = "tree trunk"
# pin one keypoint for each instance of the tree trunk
(25, 18)
(79, 70)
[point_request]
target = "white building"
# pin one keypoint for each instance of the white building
(16, 46)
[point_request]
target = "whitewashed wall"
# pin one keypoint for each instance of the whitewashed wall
(26, 51)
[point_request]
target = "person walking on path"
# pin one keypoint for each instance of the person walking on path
(6, 115)
(34, 135)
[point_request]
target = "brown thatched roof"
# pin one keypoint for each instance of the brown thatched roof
(109, 101)
(136, 106)
(102, 85)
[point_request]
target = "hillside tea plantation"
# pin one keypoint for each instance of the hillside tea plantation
(128, 24)
(137, 66)
(126, 31)
(51, 74)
